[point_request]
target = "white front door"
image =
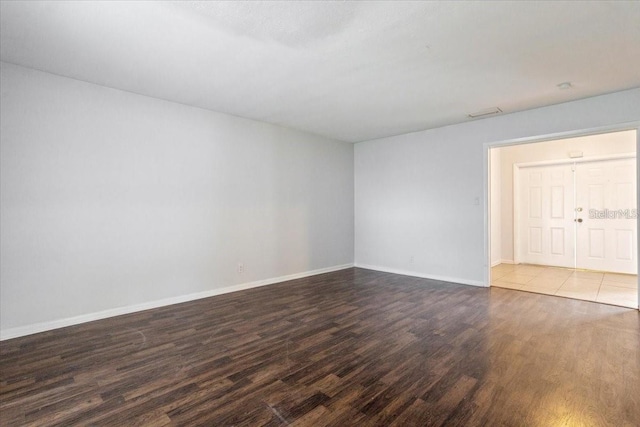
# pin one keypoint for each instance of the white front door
(606, 209)
(581, 215)
(546, 215)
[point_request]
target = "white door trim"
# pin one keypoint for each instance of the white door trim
(517, 170)
(633, 125)
(576, 160)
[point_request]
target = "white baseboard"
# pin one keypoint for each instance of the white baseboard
(422, 275)
(61, 323)
(502, 261)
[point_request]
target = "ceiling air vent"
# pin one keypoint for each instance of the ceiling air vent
(487, 112)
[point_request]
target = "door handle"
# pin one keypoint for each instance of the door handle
(578, 220)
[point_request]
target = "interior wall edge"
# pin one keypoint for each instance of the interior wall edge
(453, 280)
(90, 317)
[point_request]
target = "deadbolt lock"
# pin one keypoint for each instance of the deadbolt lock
(578, 209)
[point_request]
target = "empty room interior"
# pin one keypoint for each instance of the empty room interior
(265, 213)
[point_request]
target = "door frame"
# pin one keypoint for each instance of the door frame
(632, 125)
(516, 189)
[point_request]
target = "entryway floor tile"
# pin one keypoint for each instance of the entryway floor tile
(606, 288)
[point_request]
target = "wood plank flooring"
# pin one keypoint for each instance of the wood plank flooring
(354, 347)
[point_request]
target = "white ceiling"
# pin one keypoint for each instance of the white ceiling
(348, 70)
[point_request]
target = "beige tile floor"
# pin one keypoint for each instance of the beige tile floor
(607, 288)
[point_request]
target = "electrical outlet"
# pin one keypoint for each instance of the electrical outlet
(240, 267)
(411, 259)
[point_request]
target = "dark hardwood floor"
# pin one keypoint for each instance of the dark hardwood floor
(354, 347)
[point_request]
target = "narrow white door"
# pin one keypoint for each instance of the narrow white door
(546, 215)
(606, 210)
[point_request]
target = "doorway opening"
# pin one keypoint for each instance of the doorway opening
(563, 217)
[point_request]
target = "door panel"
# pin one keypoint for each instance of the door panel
(607, 238)
(558, 245)
(546, 200)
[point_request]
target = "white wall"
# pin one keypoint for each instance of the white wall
(592, 145)
(110, 199)
(415, 193)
